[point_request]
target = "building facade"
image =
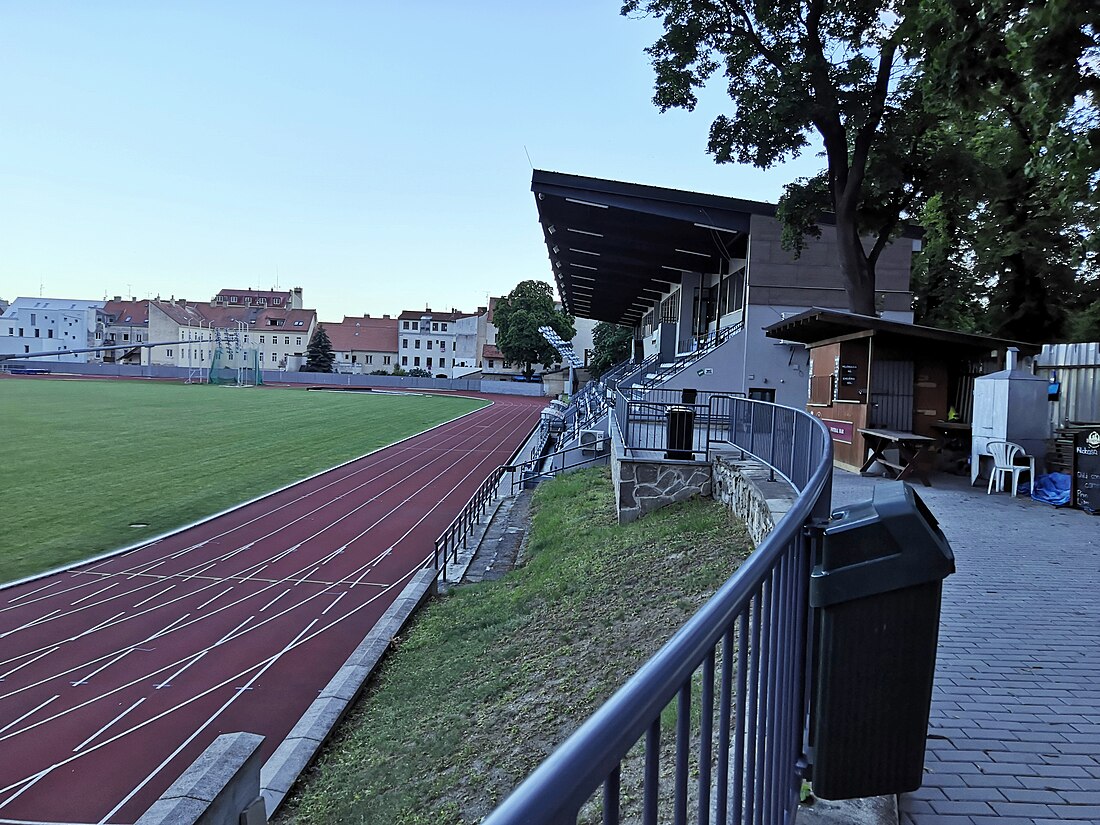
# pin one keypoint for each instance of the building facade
(42, 325)
(362, 345)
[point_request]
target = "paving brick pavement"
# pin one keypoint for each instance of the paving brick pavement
(1014, 735)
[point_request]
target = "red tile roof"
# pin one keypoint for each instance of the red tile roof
(415, 315)
(491, 351)
(133, 313)
(363, 334)
(227, 317)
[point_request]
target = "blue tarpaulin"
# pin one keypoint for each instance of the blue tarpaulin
(1053, 488)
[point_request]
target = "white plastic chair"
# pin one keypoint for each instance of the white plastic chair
(1004, 455)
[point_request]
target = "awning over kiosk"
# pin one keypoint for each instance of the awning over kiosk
(617, 249)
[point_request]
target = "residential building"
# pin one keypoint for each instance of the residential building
(428, 340)
(269, 299)
(276, 339)
(364, 344)
(35, 325)
(124, 322)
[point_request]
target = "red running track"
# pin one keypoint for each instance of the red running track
(115, 676)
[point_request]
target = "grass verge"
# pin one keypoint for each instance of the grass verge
(83, 460)
(489, 680)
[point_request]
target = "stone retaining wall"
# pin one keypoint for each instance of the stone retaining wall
(745, 487)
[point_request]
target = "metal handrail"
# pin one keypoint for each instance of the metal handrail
(458, 531)
(708, 344)
(757, 625)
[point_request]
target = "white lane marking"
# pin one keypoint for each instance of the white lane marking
(168, 682)
(200, 570)
(166, 629)
(93, 595)
(103, 667)
(116, 719)
(4, 676)
(154, 596)
(39, 620)
(236, 694)
(307, 575)
(230, 635)
(266, 606)
(214, 598)
(327, 609)
(36, 590)
(28, 783)
(15, 722)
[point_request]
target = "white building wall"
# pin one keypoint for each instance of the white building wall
(33, 325)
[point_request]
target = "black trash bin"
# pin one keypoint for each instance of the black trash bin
(680, 423)
(876, 596)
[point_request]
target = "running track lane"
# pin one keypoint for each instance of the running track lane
(115, 676)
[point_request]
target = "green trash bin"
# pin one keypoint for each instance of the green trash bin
(875, 592)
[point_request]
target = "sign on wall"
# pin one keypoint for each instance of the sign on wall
(840, 430)
(1086, 471)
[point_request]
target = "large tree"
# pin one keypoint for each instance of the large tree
(611, 343)
(795, 68)
(518, 317)
(1011, 85)
(319, 355)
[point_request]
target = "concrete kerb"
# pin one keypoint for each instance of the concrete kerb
(301, 745)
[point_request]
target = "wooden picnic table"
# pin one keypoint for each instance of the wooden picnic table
(914, 455)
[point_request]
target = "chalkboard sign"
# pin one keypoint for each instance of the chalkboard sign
(848, 374)
(1086, 470)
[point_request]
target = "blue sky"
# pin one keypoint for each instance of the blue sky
(373, 153)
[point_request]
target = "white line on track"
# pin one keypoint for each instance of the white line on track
(28, 783)
(4, 676)
(15, 722)
(266, 606)
(93, 595)
(36, 590)
(228, 636)
(168, 682)
(327, 609)
(154, 596)
(103, 667)
(214, 598)
(39, 620)
(116, 719)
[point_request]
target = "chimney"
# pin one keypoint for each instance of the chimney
(386, 317)
(118, 297)
(1010, 358)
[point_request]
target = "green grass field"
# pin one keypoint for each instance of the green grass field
(83, 460)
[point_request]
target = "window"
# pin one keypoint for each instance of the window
(26, 348)
(299, 323)
(404, 325)
(404, 343)
(49, 333)
(385, 359)
(233, 299)
(442, 363)
(443, 327)
(442, 345)
(416, 361)
(368, 359)
(274, 357)
(429, 364)
(297, 341)
(34, 319)
(429, 345)
(276, 301)
(261, 339)
(416, 343)
(37, 332)
(168, 352)
(287, 341)
(435, 326)
(490, 363)
(125, 336)
(11, 331)
(404, 360)
(20, 332)
(139, 337)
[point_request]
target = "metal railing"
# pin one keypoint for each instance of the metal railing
(643, 415)
(703, 346)
(737, 671)
(458, 532)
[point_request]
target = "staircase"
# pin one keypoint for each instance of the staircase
(707, 345)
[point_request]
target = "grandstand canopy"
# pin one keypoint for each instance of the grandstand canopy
(618, 248)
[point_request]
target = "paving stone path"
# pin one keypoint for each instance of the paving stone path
(1014, 734)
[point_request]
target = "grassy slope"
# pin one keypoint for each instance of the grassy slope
(83, 460)
(489, 680)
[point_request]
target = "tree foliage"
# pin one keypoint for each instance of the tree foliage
(796, 68)
(518, 317)
(1011, 90)
(611, 344)
(319, 355)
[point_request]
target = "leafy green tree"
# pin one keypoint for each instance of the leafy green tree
(419, 372)
(319, 355)
(518, 317)
(1008, 82)
(793, 69)
(611, 344)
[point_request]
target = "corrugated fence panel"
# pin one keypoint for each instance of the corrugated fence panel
(1077, 367)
